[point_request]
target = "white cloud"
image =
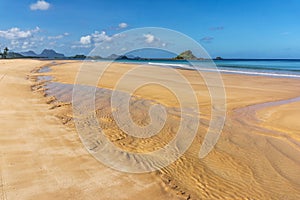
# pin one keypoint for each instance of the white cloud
(58, 36)
(86, 40)
(100, 37)
(40, 5)
(93, 39)
(17, 33)
(21, 39)
(28, 45)
(149, 38)
(153, 41)
(76, 46)
(55, 37)
(123, 25)
(52, 43)
(14, 44)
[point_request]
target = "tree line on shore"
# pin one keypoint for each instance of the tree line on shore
(5, 53)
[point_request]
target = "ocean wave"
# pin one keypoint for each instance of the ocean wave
(233, 71)
(172, 65)
(260, 73)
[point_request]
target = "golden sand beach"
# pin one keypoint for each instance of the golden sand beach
(42, 157)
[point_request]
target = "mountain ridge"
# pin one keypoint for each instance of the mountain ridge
(46, 53)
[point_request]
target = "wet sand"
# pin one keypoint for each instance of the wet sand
(43, 159)
(256, 157)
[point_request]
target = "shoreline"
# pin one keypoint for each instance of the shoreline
(41, 158)
(242, 158)
(193, 65)
(67, 120)
(178, 185)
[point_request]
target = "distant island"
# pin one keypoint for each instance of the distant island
(52, 54)
(186, 55)
(46, 53)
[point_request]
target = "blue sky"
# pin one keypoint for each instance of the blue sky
(231, 29)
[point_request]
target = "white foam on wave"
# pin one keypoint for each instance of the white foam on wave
(260, 73)
(185, 66)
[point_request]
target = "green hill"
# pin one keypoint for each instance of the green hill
(186, 55)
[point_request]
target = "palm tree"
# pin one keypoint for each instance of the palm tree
(5, 52)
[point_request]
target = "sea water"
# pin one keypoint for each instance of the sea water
(285, 68)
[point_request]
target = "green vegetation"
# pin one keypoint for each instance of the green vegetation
(5, 53)
(79, 56)
(186, 55)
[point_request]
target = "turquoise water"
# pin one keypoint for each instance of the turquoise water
(276, 68)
